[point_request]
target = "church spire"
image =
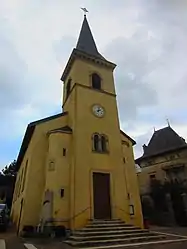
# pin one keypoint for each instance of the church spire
(86, 48)
(86, 41)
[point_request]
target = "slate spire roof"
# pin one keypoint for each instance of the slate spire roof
(163, 140)
(86, 41)
(86, 49)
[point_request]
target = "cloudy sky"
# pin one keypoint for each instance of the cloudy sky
(147, 39)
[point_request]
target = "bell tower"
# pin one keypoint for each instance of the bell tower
(98, 179)
(81, 162)
(86, 51)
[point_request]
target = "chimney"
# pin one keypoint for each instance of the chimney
(144, 147)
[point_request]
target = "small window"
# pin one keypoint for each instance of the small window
(62, 193)
(64, 152)
(124, 160)
(96, 81)
(152, 177)
(68, 88)
(96, 142)
(103, 143)
(51, 166)
(131, 209)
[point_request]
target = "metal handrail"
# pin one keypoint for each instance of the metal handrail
(78, 214)
(75, 216)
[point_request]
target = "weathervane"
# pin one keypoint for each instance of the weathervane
(167, 119)
(85, 11)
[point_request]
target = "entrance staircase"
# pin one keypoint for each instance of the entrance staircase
(101, 233)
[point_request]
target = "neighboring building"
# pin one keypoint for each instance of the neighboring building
(163, 178)
(78, 164)
(164, 158)
(6, 189)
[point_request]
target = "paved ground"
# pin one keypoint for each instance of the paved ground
(9, 240)
(16, 243)
(176, 245)
(173, 230)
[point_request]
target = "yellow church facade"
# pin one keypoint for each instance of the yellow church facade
(78, 165)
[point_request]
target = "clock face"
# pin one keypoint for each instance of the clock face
(98, 111)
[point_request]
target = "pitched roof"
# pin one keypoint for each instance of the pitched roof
(86, 41)
(132, 140)
(64, 129)
(28, 135)
(86, 49)
(163, 140)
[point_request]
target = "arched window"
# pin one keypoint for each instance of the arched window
(96, 139)
(96, 81)
(24, 176)
(103, 143)
(100, 143)
(68, 88)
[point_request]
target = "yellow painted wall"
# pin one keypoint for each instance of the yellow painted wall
(36, 155)
(59, 178)
(84, 79)
(74, 172)
(111, 163)
(131, 181)
(19, 191)
(84, 124)
(156, 167)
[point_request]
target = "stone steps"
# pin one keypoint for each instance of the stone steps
(116, 236)
(103, 225)
(109, 228)
(110, 241)
(110, 232)
(113, 221)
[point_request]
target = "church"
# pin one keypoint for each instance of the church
(78, 165)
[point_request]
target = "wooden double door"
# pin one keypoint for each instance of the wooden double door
(101, 196)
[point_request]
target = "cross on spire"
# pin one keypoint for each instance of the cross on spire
(85, 11)
(86, 41)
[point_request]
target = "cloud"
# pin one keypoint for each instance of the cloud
(133, 91)
(151, 77)
(12, 69)
(146, 39)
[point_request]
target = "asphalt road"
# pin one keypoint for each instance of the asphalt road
(9, 240)
(18, 244)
